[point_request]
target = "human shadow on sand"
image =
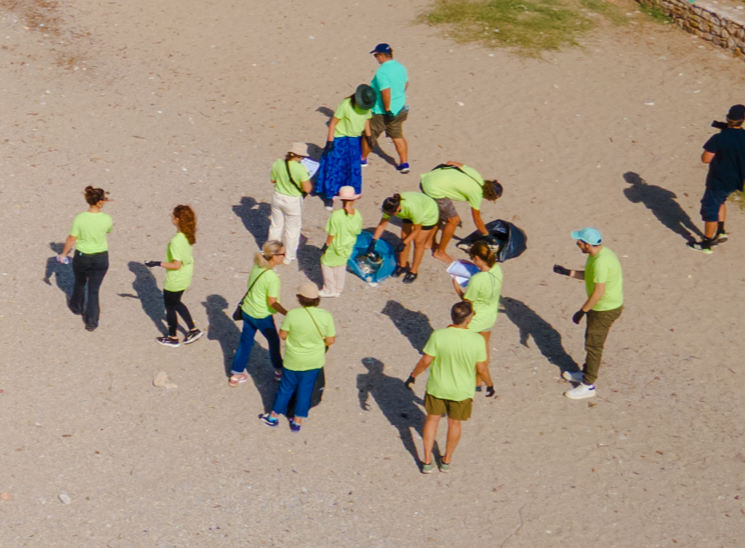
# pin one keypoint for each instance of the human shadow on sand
(149, 295)
(62, 273)
(227, 332)
(309, 261)
(414, 326)
(255, 217)
(661, 202)
(398, 404)
(546, 338)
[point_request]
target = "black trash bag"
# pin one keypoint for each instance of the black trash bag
(504, 238)
(315, 397)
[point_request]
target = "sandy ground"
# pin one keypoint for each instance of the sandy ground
(190, 102)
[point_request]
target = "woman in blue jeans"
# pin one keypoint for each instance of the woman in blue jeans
(91, 260)
(308, 332)
(259, 306)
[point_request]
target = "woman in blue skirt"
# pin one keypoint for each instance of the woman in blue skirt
(340, 163)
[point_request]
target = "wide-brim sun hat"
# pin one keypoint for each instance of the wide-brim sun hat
(300, 149)
(309, 290)
(347, 193)
(588, 235)
(365, 97)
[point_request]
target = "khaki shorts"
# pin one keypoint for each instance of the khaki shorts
(456, 410)
(393, 128)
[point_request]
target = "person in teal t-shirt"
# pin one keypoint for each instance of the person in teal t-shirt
(391, 81)
(457, 356)
(343, 227)
(604, 286)
(91, 260)
(179, 265)
(340, 164)
(419, 214)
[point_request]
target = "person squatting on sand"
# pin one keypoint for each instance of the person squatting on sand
(604, 285)
(391, 82)
(291, 183)
(343, 227)
(340, 163)
(91, 259)
(179, 265)
(455, 181)
(419, 214)
(483, 292)
(308, 332)
(457, 356)
(725, 154)
(259, 305)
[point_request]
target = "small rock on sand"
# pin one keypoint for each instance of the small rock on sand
(64, 498)
(160, 379)
(6, 496)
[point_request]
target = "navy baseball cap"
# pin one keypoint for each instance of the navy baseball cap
(737, 112)
(588, 235)
(382, 48)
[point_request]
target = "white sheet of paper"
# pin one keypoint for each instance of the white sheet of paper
(310, 165)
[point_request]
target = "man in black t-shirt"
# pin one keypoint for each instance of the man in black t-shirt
(725, 154)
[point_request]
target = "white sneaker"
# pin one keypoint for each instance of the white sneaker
(581, 392)
(571, 376)
(287, 261)
(327, 295)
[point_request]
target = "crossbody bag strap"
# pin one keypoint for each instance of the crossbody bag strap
(445, 166)
(289, 174)
(314, 322)
(253, 284)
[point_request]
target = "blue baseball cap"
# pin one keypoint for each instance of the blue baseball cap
(382, 48)
(588, 235)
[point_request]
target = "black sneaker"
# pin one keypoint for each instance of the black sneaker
(193, 336)
(720, 238)
(409, 278)
(703, 247)
(399, 270)
(168, 341)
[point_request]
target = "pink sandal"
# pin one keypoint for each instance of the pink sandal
(235, 380)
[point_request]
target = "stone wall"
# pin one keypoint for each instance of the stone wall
(722, 23)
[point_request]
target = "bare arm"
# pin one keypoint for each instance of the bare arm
(478, 221)
(577, 274)
(454, 164)
(597, 294)
(707, 157)
(458, 288)
(283, 335)
(380, 228)
(368, 131)
(385, 95)
(68, 245)
(272, 302)
(410, 238)
(422, 365)
(307, 186)
(332, 128)
(330, 341)
(329, 239)
(482, 371)
(175, 265)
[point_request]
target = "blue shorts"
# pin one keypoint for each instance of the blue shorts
(710, 204)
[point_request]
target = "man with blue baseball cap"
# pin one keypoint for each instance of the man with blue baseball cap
(604, 284)
(390, 111)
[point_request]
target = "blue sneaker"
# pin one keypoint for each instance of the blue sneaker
(403, 168)
(294, 426)
(269, 420)
(363, 163)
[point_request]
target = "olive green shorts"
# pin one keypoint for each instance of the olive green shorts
(393, 127)
(456, 410)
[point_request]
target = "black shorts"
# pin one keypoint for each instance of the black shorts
(427, 227)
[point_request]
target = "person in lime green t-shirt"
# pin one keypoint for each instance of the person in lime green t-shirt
(291, 182)
(91, 260)
(604, 286)
(179, 265)
(419, 214)
(456, 356)
(258, 307)
(483, 292)
(343, 227)
(308, 333)
(340, 164)
(450, 182)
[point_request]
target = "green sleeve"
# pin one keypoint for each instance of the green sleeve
(273, 287)
(332, 226)
(341, 110)
(75, 229)
(601, 272)
(299, 173)
(473, 289)
(330, 328)
(287, 322)
(431, 347)
(274, 174)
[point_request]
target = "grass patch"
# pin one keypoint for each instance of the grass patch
(655, 13)
(738, 198)
(528, 26)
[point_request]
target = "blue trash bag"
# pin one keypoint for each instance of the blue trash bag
(370, 272)
(505, 239)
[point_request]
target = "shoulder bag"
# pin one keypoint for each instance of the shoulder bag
(238, 313)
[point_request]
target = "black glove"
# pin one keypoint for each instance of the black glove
(578, 316)
(371, 247)
(561, 270)
(411, 380)
(490, 391)
(389, 113)
(329, 147)
(400, 247)
(324, 248)
(151, 264)
(370, 141)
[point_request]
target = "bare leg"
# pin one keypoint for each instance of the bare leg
(428, 436)
(723, 212)
(430, 243)
(710, 229)
(487, 336)
(402, 147)
(447, 235)
(365, 148)
(454, 430)
(403, 257)
(419, 243)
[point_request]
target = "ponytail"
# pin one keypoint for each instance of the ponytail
(270, 248)
(482, 250)
(391, 205)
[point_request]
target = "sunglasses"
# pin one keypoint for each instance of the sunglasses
(280, 254)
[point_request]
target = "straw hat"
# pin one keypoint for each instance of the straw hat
(309, 290)
(347, 193)
(300, 149)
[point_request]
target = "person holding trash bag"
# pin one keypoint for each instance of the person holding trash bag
(456, 181)
(91, 259)
(483, 291)
(259, 304)
(419, 213)
(308, 331)
(342, 227)
(291, 183)
(179, 264)
(340, 163)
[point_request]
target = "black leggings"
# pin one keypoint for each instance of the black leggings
(172, 300)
